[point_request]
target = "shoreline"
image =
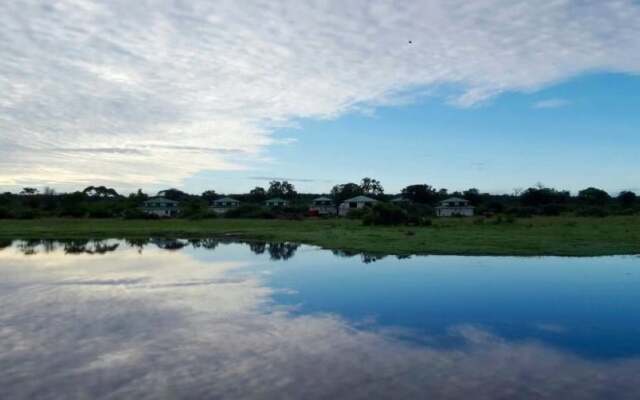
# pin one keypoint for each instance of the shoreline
(537, 236)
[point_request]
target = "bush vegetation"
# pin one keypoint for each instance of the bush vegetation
(100, 202)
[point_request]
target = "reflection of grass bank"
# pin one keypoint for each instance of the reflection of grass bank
(532, 236)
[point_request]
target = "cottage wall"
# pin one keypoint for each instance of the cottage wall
(453, 211)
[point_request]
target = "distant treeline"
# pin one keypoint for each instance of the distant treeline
(104, 202)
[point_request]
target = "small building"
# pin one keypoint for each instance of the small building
(454, 206)
(355, 203)
(160, 206)
(276, 202)
(322, 206)
(224, 204)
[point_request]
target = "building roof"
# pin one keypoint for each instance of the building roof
(400, 200)
(323, 199)
(276, 200)
(226, 200)
(455, 200)
(360, 199)
(160, 199)
(458, 199)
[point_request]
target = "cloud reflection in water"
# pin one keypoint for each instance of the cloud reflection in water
(169, 325)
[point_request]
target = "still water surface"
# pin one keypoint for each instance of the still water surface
(210, 319)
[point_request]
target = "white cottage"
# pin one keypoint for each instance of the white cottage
(322, 206)
(224, 204)
(355, 203)
(454, 206)
(276, 202)
(160, 206)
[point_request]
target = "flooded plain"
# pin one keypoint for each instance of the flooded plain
(195, 319)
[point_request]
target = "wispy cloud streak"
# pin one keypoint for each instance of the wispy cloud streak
(551, 103)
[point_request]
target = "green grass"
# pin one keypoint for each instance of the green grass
(566, 236)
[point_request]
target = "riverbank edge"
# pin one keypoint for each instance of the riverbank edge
(542, 236)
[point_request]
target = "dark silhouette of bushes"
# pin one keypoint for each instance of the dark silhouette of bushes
(249, 211)
(385, 214)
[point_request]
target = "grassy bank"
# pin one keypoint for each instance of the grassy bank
(567, 236)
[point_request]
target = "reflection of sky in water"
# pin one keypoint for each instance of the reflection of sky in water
(107, 321)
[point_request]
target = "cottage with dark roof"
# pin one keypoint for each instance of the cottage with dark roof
(276, 202)
(160, 206)
(223, 204)
(454, 206)
(355, 203)
(322, 206)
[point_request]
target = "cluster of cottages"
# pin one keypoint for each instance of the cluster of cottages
(321, 206)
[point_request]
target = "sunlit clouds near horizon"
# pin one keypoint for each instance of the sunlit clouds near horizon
(144, 93)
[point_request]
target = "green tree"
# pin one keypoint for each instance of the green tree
(100, 192)
(209, 195)
(371, 187)
(539, 196)
(282, 189)
(258, 194)
(627, 199)
(473, 195)
(29, 191)
(593, 196)
(345, 191)
(174, 194)
(423, 194)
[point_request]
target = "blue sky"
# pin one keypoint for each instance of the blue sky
(494, 94)
(570, 135)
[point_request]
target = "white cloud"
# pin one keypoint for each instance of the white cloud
(223, 74)
(551, 103)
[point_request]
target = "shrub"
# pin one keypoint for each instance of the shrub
(385, 214)
(417, 220)
(552, 210)
(134, 213)
(426, 222)
(75, 212)
(5, 214)
(27, 214)
(100, 212)
(523, 212)
(357, 213)
(495, 207)
(592, 212)
(624, 211)
(249, 211)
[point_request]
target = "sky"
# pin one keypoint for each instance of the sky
(227, 95)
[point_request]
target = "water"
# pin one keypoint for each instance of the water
(208, 319)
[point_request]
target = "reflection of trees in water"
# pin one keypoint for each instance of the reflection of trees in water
(75, 246)
(169, 244)
(5, 243)
(369, 258)
(34, 246)
(276, 250)
(258, 247)
(366, 258)
(84, 246)
(282, 251)
(29, 247)
(138, 243)
(89, 247)
(209, 244)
